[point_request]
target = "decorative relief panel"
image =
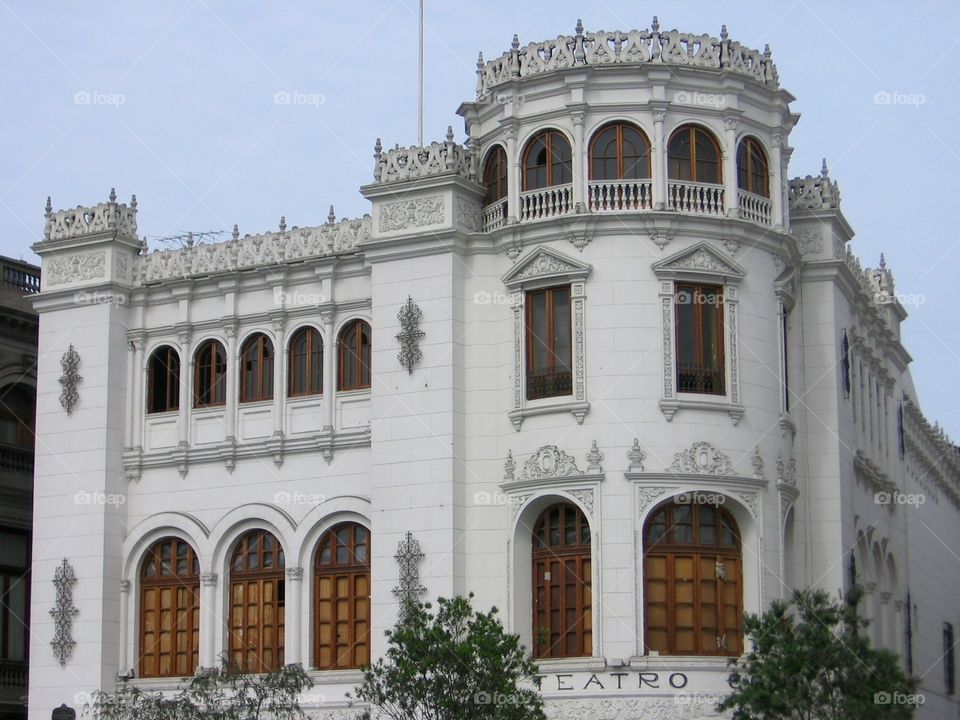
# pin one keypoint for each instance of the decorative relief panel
(646, 495)
(632, 708)
(549, 462)
(752, 501)
(66, 269)
(419, 212)
(468, 214)
(701, 459)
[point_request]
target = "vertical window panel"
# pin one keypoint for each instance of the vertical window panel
(342, 598)
(256, 620)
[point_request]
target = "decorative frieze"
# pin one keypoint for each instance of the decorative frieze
(418, 212)
(63, 612)
(80, 267)
(69, 381)
(701, 458)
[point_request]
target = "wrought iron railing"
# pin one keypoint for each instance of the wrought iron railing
(700, 379)
(549, 383)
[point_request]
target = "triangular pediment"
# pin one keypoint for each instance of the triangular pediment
(544, 263)
(701, 259)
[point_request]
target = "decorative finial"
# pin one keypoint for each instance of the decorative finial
(480, 59)
(377, 149)
(48, 208)
(516, 41)
(823, 168)
(331, 216)
(594, 458)
(636, 456)
(723, 32)
(133, 202)
(766, 51)
(449, 133)
(113, 195)
(509, 467)
(189, 239)
(883, 262)
(655, 25)
(579, 28)
(144, 247)
(236, 232)
(283, 223)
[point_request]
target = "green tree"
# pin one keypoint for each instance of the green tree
(810, 661)
(455, 665)
(223, 693)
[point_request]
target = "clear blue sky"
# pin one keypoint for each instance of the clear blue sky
(181, 112)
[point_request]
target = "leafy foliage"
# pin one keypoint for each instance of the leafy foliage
(455, 665)
(809, 661)
(224, 693)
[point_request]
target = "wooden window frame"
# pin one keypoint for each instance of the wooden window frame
(692, 131)
(670, 550)
(190, 582)
(10, 576)
(745, 150)
(718, 373)
(581, 556)
(312, 357)
(217, 382)
(171, 373)
(354, 570)
(276, 575)
(548, 136)
(257, 349)
(559, 386)
(496, 174)
(343, 382)
(618, 127)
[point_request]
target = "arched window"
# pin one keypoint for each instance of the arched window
(547, 161)
(495, 175)
(562, 599)
(169, 610)
(17, 412)
(752, 169)
(693, 155)
(354, 357)
(210, 375)
(257, 603)
(256, 365)
(306, 363)
(342, 598)
(163, 380)
(619, 152)
(692, 581)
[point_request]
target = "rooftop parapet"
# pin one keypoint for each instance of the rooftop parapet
(80, 222)
(815, 193)
(635, 47)
(415, 162)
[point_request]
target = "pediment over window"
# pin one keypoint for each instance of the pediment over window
(545, 265)
(699, 261)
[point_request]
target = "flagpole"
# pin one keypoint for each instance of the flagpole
(420, 99)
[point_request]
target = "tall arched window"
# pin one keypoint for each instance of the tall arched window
(495, 175)
(163, 380)
(547, 161)
(752, 169)
(256, 369)
(210, 375)
(257, 602)
(694, 155)
(306, 363)
(354, 357)
(619, 152)
(169, 610)
(342, 598)
(692, 581)
(562, 595)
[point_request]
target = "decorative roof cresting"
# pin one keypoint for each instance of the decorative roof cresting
(634, 47)
(415, 162)
(78, 222)
(815, 193)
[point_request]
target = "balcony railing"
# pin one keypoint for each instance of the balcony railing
(613, 195)
(17, 459)
(548, 383)
(692, 197)
(13, 674)
(755, 208)
(20, 276)
(494, 215)
(697, 379)
(546, 202)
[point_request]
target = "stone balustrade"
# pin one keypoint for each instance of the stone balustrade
(620, 195)
(815, 193)
(755, 208)
(415, 162)
(546, 202)
(697, 198)
(79, 222)
(635, 47)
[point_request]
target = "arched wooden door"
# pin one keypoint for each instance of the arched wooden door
(342, 598)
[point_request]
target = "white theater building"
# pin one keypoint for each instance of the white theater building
(610, 368)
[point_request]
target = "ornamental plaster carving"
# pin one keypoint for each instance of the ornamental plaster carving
(415, 162)
(752, 501)
(517, 502)
(700, 258)
(419, 212)
(81, 267)
(594, 459)
(83, 221)
(814, 193)
(635, 457)
(787, 471)
(631, 709)
(701, 458)
(646, 495)
(549, 462)
(468, 214)
(509, 467)
(756, 461)
(585, 497)
(809, 241)
(122, 266)
(732, 245)
(661, 238)
(544, 264)
(666, 317)
(579, 239)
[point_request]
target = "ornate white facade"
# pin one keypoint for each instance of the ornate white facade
(817, 414)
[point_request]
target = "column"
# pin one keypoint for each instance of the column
(658, 166)
(776, 183)
(579, 166)
(131, 377)
(124, 625)
(233, 375)
(329, 377)
(292, 619)
(186, 372)
(730, 200)
(208, 619)
(280, 360)
(513, 181)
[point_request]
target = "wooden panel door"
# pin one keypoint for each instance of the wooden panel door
(257, 624)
